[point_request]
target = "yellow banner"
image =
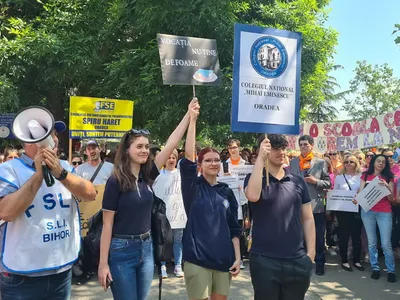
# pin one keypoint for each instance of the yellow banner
(99, 117)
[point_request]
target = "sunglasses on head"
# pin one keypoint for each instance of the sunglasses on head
(74, 163)
(140, 131)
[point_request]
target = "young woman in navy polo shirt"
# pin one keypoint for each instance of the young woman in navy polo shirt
(211, 241)
(126, 250)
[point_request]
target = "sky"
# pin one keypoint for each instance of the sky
(365, 30)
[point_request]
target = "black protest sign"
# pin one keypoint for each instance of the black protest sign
(188, 60)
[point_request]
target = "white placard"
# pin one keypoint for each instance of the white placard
(167, 187)
(341, 200)
(241, 171)
(372, 194)
(266, 80)
(233, 183)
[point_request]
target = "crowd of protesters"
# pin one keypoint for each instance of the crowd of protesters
(221, 232)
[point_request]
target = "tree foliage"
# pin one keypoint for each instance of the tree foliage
(397, 31)
(326, 111)
(376, 90)
(52, 49)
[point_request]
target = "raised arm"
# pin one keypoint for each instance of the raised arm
(190, 146)
(254, 187)
(175, 137)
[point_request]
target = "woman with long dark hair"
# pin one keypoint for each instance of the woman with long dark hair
(211, 241)
(380, 214)
(126, 249)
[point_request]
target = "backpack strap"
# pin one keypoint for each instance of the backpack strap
(347, 181)
(96, 172)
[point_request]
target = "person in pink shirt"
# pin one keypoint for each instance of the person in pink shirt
(393, 166)
(395, 208)
(380, 214)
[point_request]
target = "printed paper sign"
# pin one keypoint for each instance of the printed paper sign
(372, 194)
(241, 172)
(233, 182)
(99, 118)
(266, 80)
(167, 187)
(188, 60)
(341, 200)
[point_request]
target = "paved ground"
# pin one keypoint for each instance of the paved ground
(336, 284)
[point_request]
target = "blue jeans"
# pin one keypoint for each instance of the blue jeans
(131, 264)
(57, 287)
(384, 220)
(177, 235)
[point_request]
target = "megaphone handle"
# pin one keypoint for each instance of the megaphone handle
(48, 177)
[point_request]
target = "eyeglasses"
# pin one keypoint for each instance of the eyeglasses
(349, 162)
(74, 163)
(332, 154)
(210, 161)
(233, 148)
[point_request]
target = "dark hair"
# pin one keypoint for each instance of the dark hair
(232, 141)
(203, 152)
(278, 141)
(307, 138)
(154, 150)
(386, 173)
(387, 150)
(76, 155)
(122, 167)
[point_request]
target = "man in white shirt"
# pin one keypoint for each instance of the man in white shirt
(87, 171)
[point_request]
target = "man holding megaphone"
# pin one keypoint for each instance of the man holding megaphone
(41, 237)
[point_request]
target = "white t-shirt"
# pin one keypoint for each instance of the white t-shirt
(353, 180)
(86, 171)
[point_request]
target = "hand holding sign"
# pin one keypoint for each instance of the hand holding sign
(265, 148)
(372, 194)
(194, 110)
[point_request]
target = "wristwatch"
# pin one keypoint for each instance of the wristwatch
(63, 175)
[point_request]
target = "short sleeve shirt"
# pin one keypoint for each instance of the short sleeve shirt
(277, 224)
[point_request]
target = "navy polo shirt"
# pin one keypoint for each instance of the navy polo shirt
(277, 227)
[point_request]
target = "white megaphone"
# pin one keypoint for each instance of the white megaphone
(34, 125)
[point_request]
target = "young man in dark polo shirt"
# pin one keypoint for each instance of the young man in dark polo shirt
(280, 264)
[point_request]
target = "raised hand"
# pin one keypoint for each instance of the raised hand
(265, 149)
(193, 103)
(194, 111)
(52, 161)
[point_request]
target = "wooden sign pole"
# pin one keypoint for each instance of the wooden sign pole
(266, 167)
(70, 151)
